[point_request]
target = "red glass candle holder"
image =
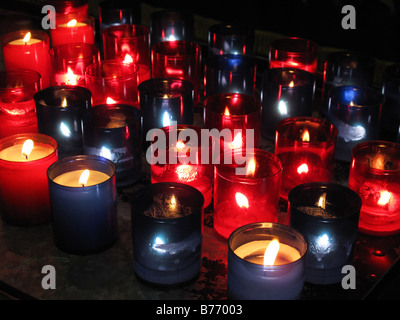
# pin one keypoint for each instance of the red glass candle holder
(73, 29)
(180, 159)
(306, 148)
(178, 59)
(17, 107)
(242, 199)
(239, 114)
(24, 192)
(294, 52)
(65, 7)
(26, 49)
(69, 62)
(112, 81)
(375, 176)
(129, 43)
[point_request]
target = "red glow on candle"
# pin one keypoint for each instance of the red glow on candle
(302, 168)
(128, 59)
(174, 72)
(241, 200)
(110, 100)
(226, 112)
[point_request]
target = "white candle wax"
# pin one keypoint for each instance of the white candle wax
(14, 153)
(71, 178)
(21, 42)
(253, 251)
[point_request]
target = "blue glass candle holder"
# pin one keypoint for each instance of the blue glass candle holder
(327, 215)
(84, 214)
(390, 121)
(114, 132)
(346, 68)
(285, 93)
(117, 12)
(164, 101)
(60, 111)
(229, 73)
(230, 39)
(356, 113)
(167, 224)
(171, 25)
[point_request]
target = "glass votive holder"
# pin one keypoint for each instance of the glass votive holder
(113, 81)
(83, 200)
(294, 52)
(240, 199)
(390, 121)
(306, 148)
(129, 43)
(346, 68)
(114, 132)
(235, 117)
(24, 192)
(167, 232)
(65, 7)
(183, 158)
(60, 111)
(116, 12)
(164, 101)
(356, 113)
(17, 107)
(28, 49)
(73, 28)
(326, 214)
(285, 93)
(230, 39)
(375, 177)
(178, 59)
(229, 73)
(266, 261)
(69, 62)
(171, 25)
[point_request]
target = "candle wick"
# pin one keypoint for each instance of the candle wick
(25, 155)
(82, 184)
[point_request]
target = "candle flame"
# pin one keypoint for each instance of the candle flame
(27, 148)
(271, 253)
(378, 162)
(180, 145)
(226, 112)
(306, 136)
(302, 168)
(322, 201)
(351, 103)
(72, 23)
(110, 101)
(127, 59)
(71, 77)
(237, 141)
(27, 37)
(251, 167)
(291, 84)
(83, 179)
(241, 200)
(172, 203)
(64, 102)
(384, 198)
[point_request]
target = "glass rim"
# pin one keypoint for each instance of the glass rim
(276, 45)
(274, 226)
(368, 145)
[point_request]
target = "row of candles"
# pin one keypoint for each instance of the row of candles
(85, 146)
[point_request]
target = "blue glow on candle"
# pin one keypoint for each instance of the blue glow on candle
(349, 95)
